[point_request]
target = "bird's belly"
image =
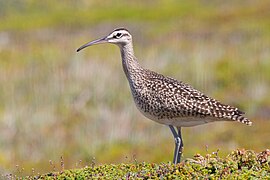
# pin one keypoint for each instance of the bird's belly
(178, 122)
(184, 121)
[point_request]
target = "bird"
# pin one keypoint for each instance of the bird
(166, 100)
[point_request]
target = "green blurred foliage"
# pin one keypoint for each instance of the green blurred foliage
(55, 102)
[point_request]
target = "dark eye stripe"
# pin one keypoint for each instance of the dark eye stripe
(119, 35)
(114, 36)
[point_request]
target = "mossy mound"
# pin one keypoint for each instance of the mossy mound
(240, 164)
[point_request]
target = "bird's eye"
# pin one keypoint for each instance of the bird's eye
(118, 35)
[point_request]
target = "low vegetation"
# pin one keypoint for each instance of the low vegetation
(241, 164)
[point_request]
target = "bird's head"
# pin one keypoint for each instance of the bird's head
(119, 36)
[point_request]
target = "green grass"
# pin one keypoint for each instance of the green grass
(239, 164)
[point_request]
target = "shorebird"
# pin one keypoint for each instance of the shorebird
(164, 99)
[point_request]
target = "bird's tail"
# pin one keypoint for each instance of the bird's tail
(240, 118)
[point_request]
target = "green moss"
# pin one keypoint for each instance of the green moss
(240, 164)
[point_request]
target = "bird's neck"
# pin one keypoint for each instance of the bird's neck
(130, 64)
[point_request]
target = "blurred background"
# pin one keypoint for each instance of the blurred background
(55, 102)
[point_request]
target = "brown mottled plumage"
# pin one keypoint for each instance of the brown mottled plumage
(164, 99)
(168, 101)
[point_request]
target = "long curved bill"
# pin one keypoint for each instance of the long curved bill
(98, 41)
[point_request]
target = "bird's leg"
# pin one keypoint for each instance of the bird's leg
(181, 144)
(178, 144)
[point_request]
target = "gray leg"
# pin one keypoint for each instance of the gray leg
(178, 144)
(181, 143)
